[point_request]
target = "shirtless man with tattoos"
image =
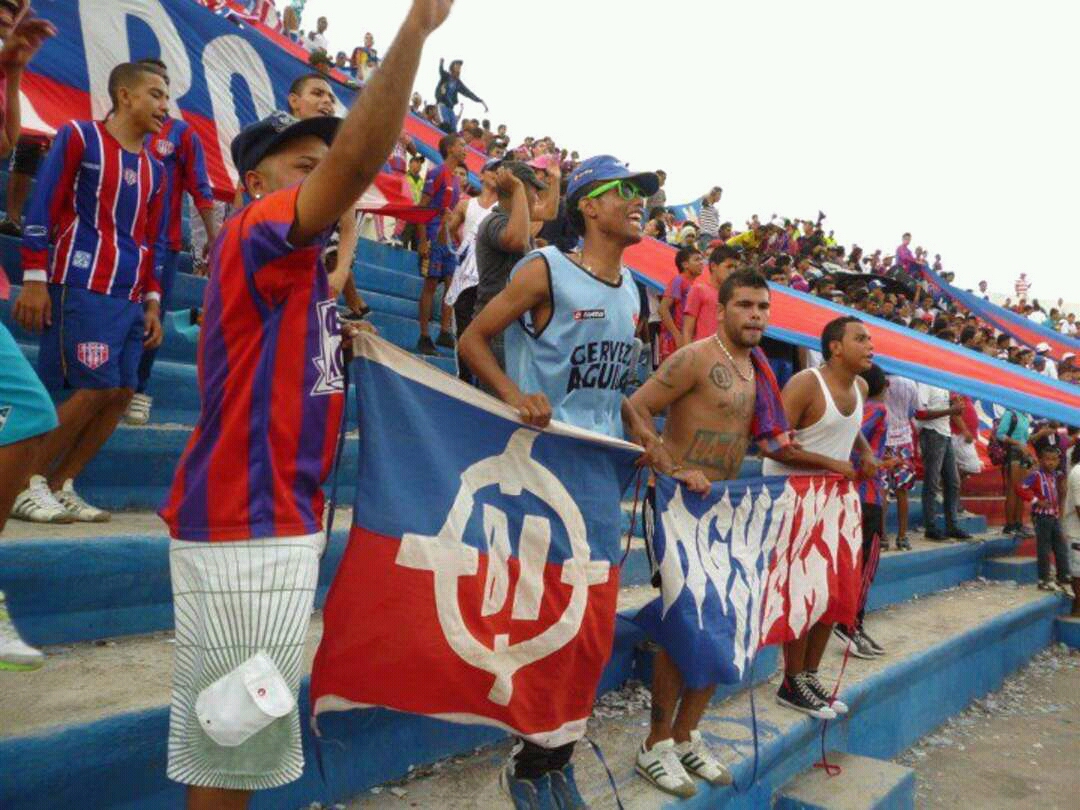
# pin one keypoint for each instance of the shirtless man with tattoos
(710, 391)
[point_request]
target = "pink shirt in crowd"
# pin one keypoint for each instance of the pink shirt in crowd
(702, 303)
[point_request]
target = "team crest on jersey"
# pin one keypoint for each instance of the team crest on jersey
(328, 361)
(92, 355)
(589, 314)
(165, 148)
(130, 177)
(80, 259)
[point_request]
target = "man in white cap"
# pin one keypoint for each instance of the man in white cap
(1049, 367)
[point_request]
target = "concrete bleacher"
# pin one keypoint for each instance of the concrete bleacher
(89, 728)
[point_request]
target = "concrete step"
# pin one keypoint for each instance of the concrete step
(94, 581)
(863, 783)
(110, 701)
(991, 507)
(1021, 570)
(392, 258)
(943, 651)
(1067, 631)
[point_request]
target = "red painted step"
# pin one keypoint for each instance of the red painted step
(990, 507)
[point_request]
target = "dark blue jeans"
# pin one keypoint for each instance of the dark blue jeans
(1049, 537)
(939, 470)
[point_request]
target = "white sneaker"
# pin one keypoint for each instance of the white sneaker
(660, 765)
(77, 507)
(15, 654)
(696, 758)
(37, 504)
(138, 410)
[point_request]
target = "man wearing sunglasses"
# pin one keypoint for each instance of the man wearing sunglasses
(568, 323)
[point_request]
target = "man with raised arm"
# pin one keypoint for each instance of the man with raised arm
(824, 406)
(245, 510)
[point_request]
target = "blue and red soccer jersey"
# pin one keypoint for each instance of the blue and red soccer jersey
(1040, 489)
(271, 384)
(102, 206)
(443, 188)
(875, 429)
(181, 153)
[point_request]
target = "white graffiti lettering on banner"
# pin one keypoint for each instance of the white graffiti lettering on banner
(799, 592)
(449, 558)
(328, 360)
(728, 549)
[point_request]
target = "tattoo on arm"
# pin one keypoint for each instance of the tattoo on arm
(671, 369)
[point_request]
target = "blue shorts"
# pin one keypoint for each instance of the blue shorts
(95, 341)
(25, 407)
(440, 263)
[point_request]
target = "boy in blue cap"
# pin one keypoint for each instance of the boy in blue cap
(568, 322)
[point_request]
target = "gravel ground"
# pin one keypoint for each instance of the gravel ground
(1018, 747)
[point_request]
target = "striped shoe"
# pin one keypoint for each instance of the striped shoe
(660, 765)
(696, 758)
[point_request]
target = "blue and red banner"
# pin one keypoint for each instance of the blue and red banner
(757, 561)
(223, 74)
(799, 318)
(482, 571)
(1018, 327)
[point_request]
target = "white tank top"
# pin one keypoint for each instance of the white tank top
(832, 436)
(467, 274)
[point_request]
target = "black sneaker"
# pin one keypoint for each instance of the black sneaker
(858, 646)
(10, 228)
(796, 694)
(902, 543)
(444, 340)
(841, 633)
(959, 534)
(876, 648)
(425, 346)
(1046, 585)
(811, 679)
(885, 544)
(934, 534)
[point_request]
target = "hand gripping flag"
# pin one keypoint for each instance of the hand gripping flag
(480, 580)
(757, 561)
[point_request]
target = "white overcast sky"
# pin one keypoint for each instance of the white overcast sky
(957, 121)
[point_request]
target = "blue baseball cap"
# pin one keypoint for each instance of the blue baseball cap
(608, 167)
(263, 137)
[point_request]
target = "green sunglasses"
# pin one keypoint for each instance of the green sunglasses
(627, 190)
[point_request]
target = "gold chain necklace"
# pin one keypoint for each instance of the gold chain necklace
(723, 348)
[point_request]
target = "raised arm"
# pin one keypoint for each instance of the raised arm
(370, 129)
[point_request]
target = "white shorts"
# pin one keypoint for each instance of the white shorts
(967, 457)
(1073, 544)
(231, 601)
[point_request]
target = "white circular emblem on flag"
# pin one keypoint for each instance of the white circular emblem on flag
(448, 557)
(130, 177)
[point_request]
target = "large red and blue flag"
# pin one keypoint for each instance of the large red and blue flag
(481, 576)
(757, 561)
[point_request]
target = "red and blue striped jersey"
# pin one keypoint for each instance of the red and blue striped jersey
(1040, 489)
(102, 206)
(181, 153)
(875, 429)
(271, 384)
(443, 188)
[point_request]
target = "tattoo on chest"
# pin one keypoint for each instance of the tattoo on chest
(720, 376)
(717, 450)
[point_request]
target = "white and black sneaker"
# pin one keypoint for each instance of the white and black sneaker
(37, 504)
(796, 693)
(138, 410)
(811, 679)
(77, 507)
(660, 765)
(869, 642)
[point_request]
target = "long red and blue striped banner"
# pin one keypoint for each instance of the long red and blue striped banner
(1018, 327)
(799, 318)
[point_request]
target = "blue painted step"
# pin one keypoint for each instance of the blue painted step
(392, 258)
(862, 783)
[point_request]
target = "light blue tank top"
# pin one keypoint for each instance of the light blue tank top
(582, 358)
